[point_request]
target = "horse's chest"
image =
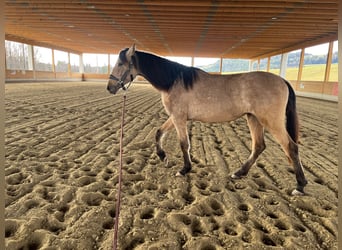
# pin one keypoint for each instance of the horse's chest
(176, 103)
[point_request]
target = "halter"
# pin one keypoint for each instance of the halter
(123, 77)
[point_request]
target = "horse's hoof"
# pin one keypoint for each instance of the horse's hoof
(167, 164)
(297, 193)
(234, 176)
(179, 174)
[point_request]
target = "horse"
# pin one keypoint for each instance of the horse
(189, 93)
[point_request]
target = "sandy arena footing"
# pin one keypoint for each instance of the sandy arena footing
(62, 145)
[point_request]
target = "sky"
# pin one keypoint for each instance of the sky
(321, 49)
(198, 61)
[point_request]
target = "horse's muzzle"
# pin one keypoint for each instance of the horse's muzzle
(112, 87)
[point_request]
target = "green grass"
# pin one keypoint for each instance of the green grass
(312, 72)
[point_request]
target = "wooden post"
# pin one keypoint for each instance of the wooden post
(283, 64)
(300, 67)
(69, 65)
(53, 61)
(250, 66)
(31, 63)
(108, 68)
(268, 64)
(328, 63)
(221, 65)
(81, 67)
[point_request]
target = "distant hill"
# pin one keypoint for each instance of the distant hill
(235, 65)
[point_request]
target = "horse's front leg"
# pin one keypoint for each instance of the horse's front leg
(167, 126)
(184, 144)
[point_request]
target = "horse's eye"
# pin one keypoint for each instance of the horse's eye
(120, 64)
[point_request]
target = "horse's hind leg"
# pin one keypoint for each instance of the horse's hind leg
(300, 177)
(291, 150)
(258, 145)
(167, 126)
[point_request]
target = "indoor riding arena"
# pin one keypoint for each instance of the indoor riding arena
(63, 128)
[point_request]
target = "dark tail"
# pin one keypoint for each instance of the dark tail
(291, 114)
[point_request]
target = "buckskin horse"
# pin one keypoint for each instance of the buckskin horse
(189, 93)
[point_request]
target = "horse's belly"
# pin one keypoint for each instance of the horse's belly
(216, 114)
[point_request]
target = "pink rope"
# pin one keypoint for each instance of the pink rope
(118, 200)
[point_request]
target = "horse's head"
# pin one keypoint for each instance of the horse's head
(123, 72)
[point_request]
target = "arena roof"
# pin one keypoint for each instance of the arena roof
(228, 29)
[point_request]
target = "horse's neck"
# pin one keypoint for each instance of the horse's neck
(144, 58)
(153, 69)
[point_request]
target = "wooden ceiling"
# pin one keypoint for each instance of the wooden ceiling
(228, 29)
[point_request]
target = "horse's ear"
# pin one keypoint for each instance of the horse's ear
(130, 52)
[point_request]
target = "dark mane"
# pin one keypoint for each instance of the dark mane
(163, 73)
